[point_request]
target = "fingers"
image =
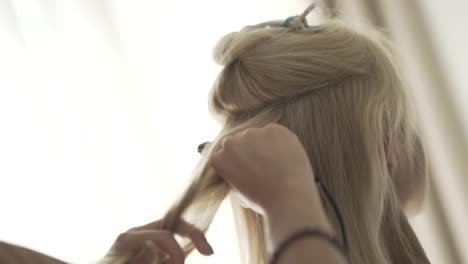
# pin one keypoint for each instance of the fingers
(226, 151)
(150, 254)
(196, 236)
(132, 241)
(227, 140)
(186, 230)
(156, 225)
(229, 146)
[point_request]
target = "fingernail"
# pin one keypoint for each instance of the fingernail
(150, 244)
(209, 249)
(165, 257)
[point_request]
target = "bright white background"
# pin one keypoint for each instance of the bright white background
(102, 107)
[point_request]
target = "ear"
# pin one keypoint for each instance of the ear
(409, 176)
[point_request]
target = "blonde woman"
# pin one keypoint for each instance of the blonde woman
(340, 114)
(339, 90)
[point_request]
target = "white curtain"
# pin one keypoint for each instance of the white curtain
(103, 104)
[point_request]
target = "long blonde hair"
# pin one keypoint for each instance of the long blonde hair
(340, 91)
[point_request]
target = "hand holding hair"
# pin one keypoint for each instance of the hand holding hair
(148, 244)
(270, 170)
(266, 166)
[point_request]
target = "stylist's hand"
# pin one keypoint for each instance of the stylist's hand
(267, 166)
(149, 244)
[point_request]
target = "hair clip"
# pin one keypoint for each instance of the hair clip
(202, 146)
(288, 21)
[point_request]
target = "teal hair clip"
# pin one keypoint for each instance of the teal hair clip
(274, 23)
(288, 21)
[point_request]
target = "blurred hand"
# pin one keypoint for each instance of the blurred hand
(266, 166)
(149, 244)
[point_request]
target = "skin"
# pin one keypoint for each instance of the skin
(146, 244)
(19, 255)
(150, 244)
(411, 181)
(259, 164)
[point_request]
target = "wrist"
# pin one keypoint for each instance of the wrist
(294, 199)
(296, 211)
